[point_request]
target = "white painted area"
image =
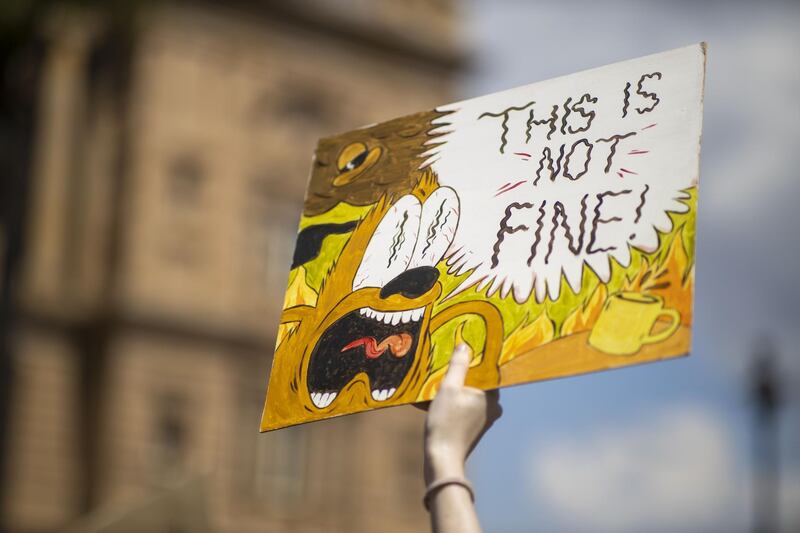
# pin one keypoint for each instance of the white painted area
(658, 162)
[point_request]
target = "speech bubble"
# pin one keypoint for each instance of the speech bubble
(569, 173)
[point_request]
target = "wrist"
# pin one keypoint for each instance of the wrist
(442, 462)
(440, 486)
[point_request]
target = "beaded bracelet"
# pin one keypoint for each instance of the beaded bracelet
(436, 485)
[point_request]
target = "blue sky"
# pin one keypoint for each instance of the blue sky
(666, 446)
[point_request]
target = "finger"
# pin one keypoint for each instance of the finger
(459, 364)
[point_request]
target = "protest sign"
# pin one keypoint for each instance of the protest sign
(550, 227)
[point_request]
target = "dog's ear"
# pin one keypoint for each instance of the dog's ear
(309, 240)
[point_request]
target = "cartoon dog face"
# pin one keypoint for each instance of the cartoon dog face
(372, 346)
(376, 332)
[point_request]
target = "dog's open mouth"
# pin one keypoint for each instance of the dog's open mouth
(380, 344)
(400, 260)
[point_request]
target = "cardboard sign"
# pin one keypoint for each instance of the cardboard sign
(551, 227)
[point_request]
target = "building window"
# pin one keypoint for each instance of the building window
(281, 469)
(186, 180)
(302, 103)
(273, 467)
(170, 438)
(272, 231)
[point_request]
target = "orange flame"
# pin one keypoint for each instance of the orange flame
(584, 317)
(672, 279)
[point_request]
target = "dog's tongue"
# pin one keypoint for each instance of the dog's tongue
(399, 344)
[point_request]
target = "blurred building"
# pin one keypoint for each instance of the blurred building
(169, 157)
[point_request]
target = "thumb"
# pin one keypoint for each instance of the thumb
(459, 364)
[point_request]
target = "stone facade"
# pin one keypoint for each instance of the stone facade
(168, 179)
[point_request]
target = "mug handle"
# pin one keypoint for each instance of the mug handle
(662, 335)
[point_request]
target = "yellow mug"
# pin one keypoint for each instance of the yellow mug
(625, 322)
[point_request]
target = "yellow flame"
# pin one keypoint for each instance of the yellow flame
(297, 293)
(431, 385)
(527, 336)
(584, 317)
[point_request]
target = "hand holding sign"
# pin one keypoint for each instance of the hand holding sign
(457, 418)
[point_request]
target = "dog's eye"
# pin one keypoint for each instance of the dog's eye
(391, 246)
(437, 227)
(357, 161)
(353, 156)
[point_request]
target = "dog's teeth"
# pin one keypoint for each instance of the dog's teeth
(380, 395)
(407, 315)
(386, 318)
(363, 311)
(370, 312)
(418, 313)
(391, 393)
(396, 318)
(378, 316)
(323, 400)
(328, 398)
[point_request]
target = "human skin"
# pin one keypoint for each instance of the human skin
(457, 419)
